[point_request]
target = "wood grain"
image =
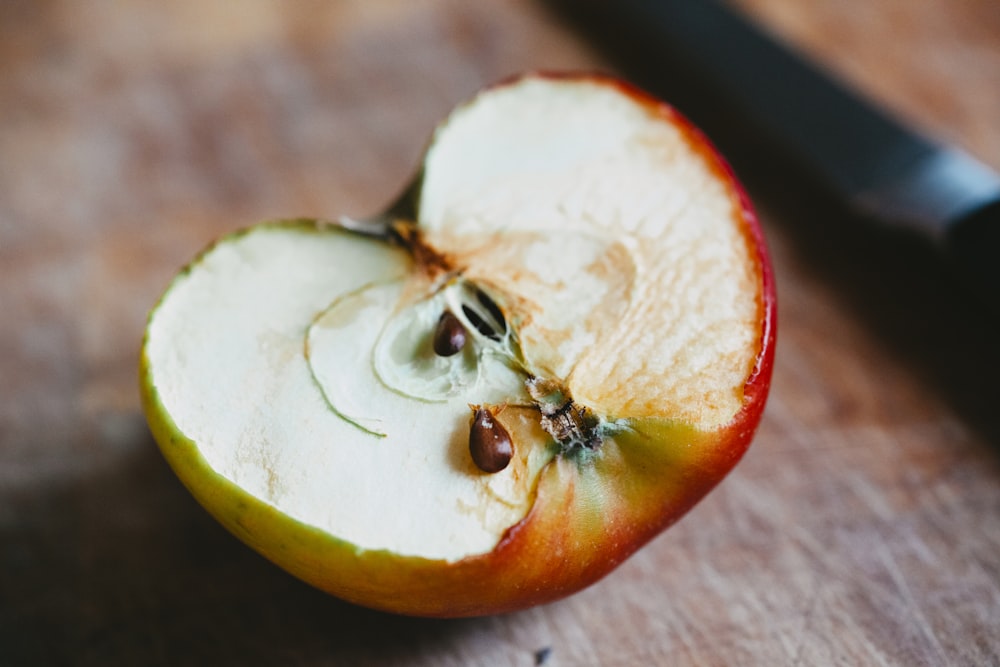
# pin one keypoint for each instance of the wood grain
(862, 529)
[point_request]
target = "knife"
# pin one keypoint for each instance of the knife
(881, 169)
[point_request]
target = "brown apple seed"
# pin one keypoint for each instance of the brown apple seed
(449, 336)
(489, 442)
(482, 326)
(493, 309)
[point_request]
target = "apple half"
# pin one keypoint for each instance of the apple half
(554, 345)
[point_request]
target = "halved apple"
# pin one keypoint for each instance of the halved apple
(549, 350)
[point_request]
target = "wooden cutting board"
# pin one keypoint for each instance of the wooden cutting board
(863, 528)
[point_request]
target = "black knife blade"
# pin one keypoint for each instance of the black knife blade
(886, 171)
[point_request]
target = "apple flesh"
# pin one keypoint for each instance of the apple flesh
(560, 345)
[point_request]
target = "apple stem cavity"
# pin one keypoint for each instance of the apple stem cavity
(434, 263)
(397, 228)
(384, 225)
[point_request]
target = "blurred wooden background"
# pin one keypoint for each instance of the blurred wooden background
(863, 528)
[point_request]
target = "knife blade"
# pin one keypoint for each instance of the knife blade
(884, 170)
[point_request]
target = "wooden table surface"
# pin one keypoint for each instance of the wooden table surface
(863, 528)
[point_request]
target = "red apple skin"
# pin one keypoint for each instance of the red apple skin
(589, 514)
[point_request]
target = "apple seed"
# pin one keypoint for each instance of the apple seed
(493, 309)
(489, 442)
(484, 315)
(482, 326)
(449, 336)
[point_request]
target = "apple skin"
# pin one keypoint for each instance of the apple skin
(589, 514)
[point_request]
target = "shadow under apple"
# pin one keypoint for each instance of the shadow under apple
(122, 566)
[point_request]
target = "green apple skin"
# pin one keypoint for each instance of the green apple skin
(589, 514)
